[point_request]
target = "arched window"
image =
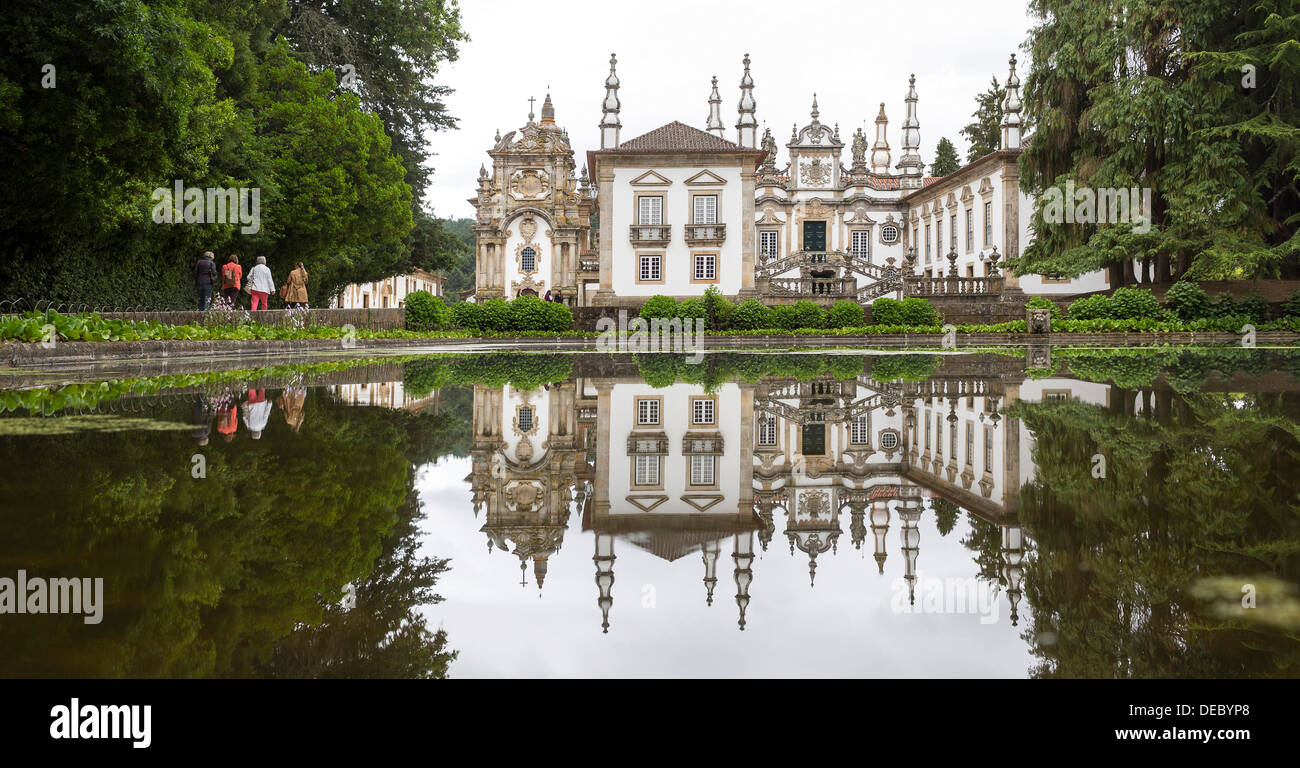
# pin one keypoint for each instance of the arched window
(528, 260)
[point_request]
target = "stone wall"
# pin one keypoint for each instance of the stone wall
(372, 319)
(986, 310)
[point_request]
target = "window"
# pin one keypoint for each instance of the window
(767, 244)
(650, 271)
(706, 209)
(927, 243)
(988, 223)
(952, 435)
(970, 230)
(927, 432)
(706, 267)
(651, 210)
(702, 470)
(528, 260)
(860, 243)
(952, 232)
(525, 418)
(647, 411)
(889, 440)
(702, 410)
(988, 449)
(889, 234)
(647, 470)
(938, 239)
(970, 444)
(860, 431)
(767, 431)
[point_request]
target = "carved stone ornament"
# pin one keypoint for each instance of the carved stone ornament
(530, 184)
(816, 173)
(815, 504)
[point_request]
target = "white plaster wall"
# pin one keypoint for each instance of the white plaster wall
(677, 263)
(675, 415)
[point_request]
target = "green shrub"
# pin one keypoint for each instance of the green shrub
(1042, 302)
(752, 315)
(1092, 307)
(1134, 304)
(1255, 307)
(1223, 305)
(801, 314)
(1291, 307)
(909, 311)
(466, 315)
(717, 310)
(659, 307)
(494, 315)
(1188, 300)
(559, 317)
(426, 312)
(917, 311)
(845, 314)
(691, 309)
(528, 313)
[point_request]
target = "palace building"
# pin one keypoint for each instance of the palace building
(680, 209)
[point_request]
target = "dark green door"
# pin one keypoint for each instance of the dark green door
(814, 236)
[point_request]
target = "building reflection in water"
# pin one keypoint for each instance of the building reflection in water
(681, 470)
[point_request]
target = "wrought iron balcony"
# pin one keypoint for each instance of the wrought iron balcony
(653, 235)
(705, 234)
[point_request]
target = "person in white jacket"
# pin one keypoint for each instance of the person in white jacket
(260, 284)
(257, 411)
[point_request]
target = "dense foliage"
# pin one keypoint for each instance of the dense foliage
(255, 97)
(1198, 102)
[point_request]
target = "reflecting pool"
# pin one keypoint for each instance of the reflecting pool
(1064, 512)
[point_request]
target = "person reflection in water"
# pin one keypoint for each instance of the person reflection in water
(257, 411)
(291, 402)
(201, 418)
(227, 416)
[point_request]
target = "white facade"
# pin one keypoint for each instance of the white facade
(391, 292)
(683, 269)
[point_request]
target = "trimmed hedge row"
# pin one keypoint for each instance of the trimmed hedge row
(753, 315)
(426, 312)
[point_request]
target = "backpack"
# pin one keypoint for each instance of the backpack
(228, 276)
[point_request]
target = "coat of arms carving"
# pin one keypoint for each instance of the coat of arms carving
(816, 173)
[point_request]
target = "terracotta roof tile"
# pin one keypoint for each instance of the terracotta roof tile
(678, 137)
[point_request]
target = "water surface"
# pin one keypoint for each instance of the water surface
(1066, 513)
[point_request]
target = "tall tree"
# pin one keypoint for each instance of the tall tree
(984, 133)
(389, 53)
(945, 159)
(1117, 104)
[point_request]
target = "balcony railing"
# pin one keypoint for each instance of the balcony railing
(589, 265)
(810, 286)
(951, 286)
(705, 234)
(655, 235)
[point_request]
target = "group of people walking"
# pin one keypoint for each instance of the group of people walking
(259, 284)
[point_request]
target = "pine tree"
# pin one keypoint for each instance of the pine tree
(985, 133)
(945, 159)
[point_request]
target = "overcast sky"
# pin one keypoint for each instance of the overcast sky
(853, 54)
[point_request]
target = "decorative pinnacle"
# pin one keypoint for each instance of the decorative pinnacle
(815, 113)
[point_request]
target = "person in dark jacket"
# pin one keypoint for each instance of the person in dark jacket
(205, 277)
